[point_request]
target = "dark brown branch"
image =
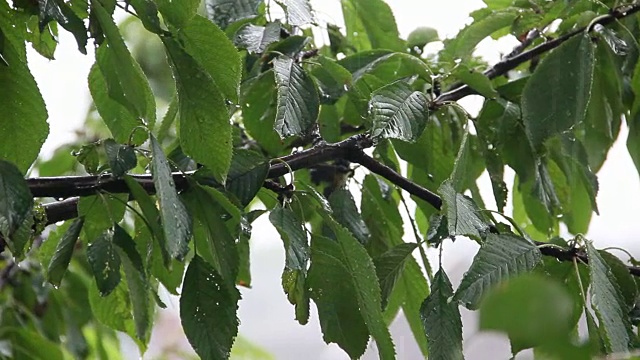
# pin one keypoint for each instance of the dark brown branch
(61, 210)
(71, 187)
(388, 173)
(68, 186)
(318, 154)
(511, 63)
(570, 254)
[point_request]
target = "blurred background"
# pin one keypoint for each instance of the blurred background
(268, 329)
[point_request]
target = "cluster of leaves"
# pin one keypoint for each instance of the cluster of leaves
(249, 90)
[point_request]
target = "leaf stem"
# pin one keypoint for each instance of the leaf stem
(416, 234)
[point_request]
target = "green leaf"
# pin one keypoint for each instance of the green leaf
(244, 257)
(120, 121)
(527, 209)
(60, 11)
(212, 239)
(500, 257)
(490, 121)
(361, 271)
(332, 78)
(295, 286)
(608, 303)
(321, 202)
(259, 112)
(123, 75)
(389, 267)
(122, 158)
(603, 118)
(626, 282)
(380, 213)
(521, 308)
(364, 59)
(100, 212)
(137, 282)
(150, 211)
(576, 185)
(298, 105)
(208, 308)
(421, 36)
(168, 271)
(441, 320)
(463, 216)
(175, 218)
(256, 39)
(462, 46)
(438, 229)
(225, 12)
(556, 97)
(387, 67)
(25, 343)
(113, 310)
(398, 112)
(596, 340)
(476, 80)
(246, 175)
(416, 289)
(298, 12)
(215, 53)
(205, 131)
(433, 154)
(19, 99)
(64, 250)
(23, 235)
(331, 288)
(44, 42)
(147, 11)
(178, 13)
(16, 200)
(458, 177)
(373, 19)
(105, 262)
(168, 119)
(294, 237)
(329, 123)
(346, 213)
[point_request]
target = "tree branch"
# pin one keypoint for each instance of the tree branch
(351, 149)
(358, 156)
(511, 63)
(575, 253)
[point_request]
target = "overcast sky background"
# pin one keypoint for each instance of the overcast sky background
(267, 319)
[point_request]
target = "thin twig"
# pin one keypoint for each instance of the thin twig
(511, 63)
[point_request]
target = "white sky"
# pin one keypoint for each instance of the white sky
(263, 308)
